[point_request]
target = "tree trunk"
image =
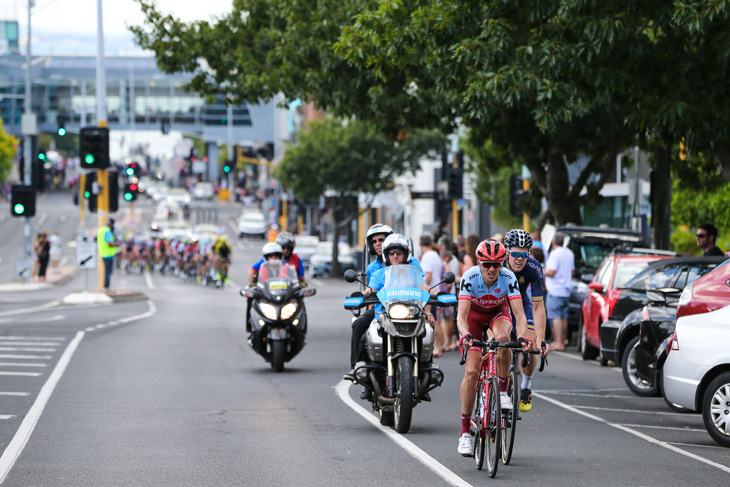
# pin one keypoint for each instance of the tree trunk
(661, 198)
(563, 208)
(335, 268)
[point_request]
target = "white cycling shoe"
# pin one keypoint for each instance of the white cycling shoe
(505, 401)
(465, 444)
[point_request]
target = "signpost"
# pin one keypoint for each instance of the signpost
(86, 251)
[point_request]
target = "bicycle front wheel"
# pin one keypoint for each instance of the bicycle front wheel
(479, 429)
(493, 417)
(509, 418)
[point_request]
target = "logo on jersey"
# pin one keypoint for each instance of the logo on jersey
(497, 290)
(466, 286)
(514, 287)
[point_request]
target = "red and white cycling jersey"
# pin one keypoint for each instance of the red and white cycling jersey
(489, 299)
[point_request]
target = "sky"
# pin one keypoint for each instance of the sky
(69, 26)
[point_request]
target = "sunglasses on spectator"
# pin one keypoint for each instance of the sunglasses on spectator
(378, 240)
(396, 252)
(701, 235)
(489, 265)
(519, 255)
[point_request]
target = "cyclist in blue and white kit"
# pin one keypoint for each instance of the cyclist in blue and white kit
(487, 293)
(529, 276)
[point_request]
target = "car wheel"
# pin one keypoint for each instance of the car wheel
(636, 384)
(716, 409)
(587, 351)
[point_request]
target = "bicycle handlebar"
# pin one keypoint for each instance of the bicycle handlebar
(493, 345)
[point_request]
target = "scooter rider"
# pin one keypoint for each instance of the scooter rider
(529, 276)
(286, 242)
(374, 237)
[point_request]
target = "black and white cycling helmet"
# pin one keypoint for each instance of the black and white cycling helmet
(272, 249)
(286, 238)
(377, 229)
(518, 238)
(393, 242)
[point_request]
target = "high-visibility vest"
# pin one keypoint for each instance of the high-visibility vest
(105, 250)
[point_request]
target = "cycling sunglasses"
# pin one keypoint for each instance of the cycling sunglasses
(396, 252)
(378, 240)
(519, 255)
(488, 265)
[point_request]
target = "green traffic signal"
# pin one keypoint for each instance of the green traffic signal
(61, 131)
(19, 209)
(89, 159)
(42, 156)
(226, 168)
(87, 194)
(130, 171)
(128, 196)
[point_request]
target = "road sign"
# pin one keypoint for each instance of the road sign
(423, 195)
(86, 253)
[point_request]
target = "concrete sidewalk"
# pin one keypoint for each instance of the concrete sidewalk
(64, 276)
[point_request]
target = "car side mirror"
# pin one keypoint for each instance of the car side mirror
(587, 278)
(596, 286)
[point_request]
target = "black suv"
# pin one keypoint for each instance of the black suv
(590, 245)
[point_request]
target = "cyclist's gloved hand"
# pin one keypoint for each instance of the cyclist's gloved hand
(466, 340)
(526, 344)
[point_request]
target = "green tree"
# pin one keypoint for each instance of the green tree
(8, 150)
(349, 158)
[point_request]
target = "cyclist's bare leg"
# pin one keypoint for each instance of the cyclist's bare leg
(472, 367)
(501, 330)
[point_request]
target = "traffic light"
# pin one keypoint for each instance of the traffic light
(22, 200)
(455, 177)
(38, 176)
(228, 166)
(516, 193)
(94, 147)
(61, 129)
(113, 191)
(133, 169)
(90, 191)
(130, 191)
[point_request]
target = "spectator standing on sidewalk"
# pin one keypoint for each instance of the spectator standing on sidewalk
(434, 269)
(108, 246)
(44, 253)
(706, 236)
(56, 251)
(559, 270)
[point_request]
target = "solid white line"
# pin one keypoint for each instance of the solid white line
(40, 357)
(16, 445)
(698, 446)
(659, 413)
(233, 227)
(31, 344)
(20, 394)
(31, 310)
(662, 427)
(343, 388)
(20, 364)
(7, 416)
(55, 339)
(26, 349)
(580, 359)
(648, 438)
(148, 278)
(586, 394)
(24, 374)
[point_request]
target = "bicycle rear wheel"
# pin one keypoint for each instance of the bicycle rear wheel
(509, 418)
(493, 416)
(479, 429)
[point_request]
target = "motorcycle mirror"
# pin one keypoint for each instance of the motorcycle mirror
(350, 275)
(449, 278)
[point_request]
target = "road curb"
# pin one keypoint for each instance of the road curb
(108, 297)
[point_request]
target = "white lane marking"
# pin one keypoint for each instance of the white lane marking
(31, 310)
(21, 364)
(62, 218)
(19, 394)
(7, 416)
(16, 445)
(240, 245)
(580, 359)
(26, 349)
(232, 283)
(661, 427)
(659, 413)
(233, 227)
(148, 279)
(1, 259)
(42, 219)
(587, 394)
(39, 357)
(343, 388)
(22, 338)
(36, 320)
(648, 438)
(32, 344)
(24, 374)
(698, 446)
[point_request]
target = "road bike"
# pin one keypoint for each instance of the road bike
(491, 428)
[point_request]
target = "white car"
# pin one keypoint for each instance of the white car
(321, 262)
(180, 195)
(252, 223)
(305, 247)
(203, 191)
(696, 373)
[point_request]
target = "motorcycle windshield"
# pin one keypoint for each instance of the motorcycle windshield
(402, 285)
(277, 276)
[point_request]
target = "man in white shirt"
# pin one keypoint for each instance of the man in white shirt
(559, 271)
(432, 266)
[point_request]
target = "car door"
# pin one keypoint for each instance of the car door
(595, 300)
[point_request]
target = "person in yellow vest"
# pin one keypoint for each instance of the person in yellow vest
(108, 247)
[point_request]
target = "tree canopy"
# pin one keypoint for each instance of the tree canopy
(7, 153)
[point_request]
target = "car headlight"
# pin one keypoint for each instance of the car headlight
(398, 312)
(288, 311)
(686, 295)
(268, 310)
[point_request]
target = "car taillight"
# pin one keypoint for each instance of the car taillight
(614, 299)
(672, 343)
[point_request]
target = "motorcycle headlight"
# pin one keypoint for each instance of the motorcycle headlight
(288, 311)
(398, 312)
(268, 310)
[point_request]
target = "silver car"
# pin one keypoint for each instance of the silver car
(696, 373)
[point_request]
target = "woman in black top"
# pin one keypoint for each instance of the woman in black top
(44, 253)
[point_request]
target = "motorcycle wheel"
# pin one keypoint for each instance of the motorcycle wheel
(279, 352)
(403, 406)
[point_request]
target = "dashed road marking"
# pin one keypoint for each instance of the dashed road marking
(24, 374)
(7, 416)
(675, 428)
(26, 349)
(31, 310)
(38, 357)
(21, 364)
(18, 394)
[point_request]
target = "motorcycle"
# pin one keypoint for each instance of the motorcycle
(399, 344)
(277, 318)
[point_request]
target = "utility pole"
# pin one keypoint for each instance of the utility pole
(28, 132)
(102, 176)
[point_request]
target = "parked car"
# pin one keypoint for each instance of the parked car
(590, 245)
(621, 331)
(697, 370)
(321, 261)
(306, 247)
(252, 223)
(203, 191)
(604, 292)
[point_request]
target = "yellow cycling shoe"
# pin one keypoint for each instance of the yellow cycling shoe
(525, 400)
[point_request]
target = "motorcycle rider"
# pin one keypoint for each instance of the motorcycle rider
(528, 272)
(487, 293)
(286, 242)
(270, 251)
(395, 251)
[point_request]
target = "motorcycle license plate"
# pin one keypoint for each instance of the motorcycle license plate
(278, 285)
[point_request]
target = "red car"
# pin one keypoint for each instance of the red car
(708, 293)
(603, 292)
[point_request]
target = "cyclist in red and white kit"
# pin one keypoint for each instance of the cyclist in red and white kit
(487, 293)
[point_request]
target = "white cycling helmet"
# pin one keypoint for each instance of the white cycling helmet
(272, 249)
(518, 238)
(377, 229)
(396, 241)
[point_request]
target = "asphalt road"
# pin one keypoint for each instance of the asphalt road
(166, 391)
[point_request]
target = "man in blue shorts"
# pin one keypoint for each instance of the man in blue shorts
(559, 271)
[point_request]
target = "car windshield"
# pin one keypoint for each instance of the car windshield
(325, 248)
(627, 271)
(253, 217)
(590, 253)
